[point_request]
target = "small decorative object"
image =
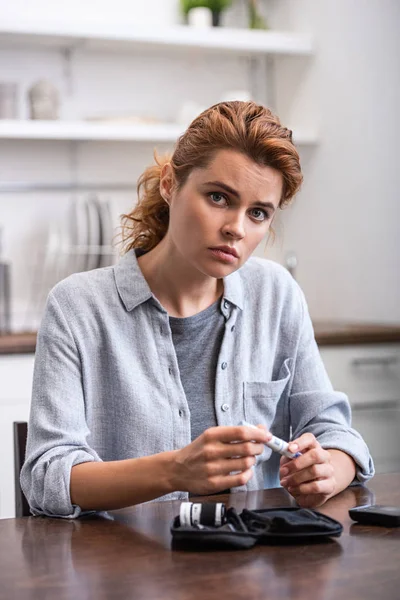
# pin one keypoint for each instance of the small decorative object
(200, 17)
(256, 20)
(8, 100)
(216, 7)
(44, 101)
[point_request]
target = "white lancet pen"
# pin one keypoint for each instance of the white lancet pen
(276, 444)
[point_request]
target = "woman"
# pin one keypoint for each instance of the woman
(144, 370)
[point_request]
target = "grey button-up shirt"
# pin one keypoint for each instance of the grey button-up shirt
(107, 387)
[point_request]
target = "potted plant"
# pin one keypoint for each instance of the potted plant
(256, 21)
(216, 7)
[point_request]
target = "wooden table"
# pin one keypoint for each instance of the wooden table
(128, 555)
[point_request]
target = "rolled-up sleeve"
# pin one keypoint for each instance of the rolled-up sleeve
(316, 408)
(57, 430)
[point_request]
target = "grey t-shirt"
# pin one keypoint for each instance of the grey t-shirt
(197, 341)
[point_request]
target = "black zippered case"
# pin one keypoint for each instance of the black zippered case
(288, 525)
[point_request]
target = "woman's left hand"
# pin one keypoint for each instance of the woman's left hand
(309, 478)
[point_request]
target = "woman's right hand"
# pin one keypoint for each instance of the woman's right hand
(206, 465)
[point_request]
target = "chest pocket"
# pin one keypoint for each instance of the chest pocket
(262, 399)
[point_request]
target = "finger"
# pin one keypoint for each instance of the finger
(230, 465)
(316, 455)
(224, 482)
(319, 486)
(311, 500)
(238, 450)
(261, 426)
(283, 462)
(315, 471)
(303, 443)
(237, 433)
(242, 478)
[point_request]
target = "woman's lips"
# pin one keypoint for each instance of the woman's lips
(225, 257)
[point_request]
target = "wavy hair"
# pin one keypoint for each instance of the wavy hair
(247, 127)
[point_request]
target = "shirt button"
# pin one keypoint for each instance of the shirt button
(170, 370)
(224, 365)
(233, 328)
(226, 304)
(225, 407)
(180, 412)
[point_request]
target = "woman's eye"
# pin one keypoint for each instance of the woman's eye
(217, 197)
(259, 214)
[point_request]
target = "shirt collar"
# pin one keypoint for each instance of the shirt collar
(233, 289)
(134, 289)
(131, 284)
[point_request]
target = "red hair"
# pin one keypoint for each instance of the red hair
(247, 127)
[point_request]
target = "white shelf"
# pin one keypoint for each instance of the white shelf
(87, 131)
(124, 35)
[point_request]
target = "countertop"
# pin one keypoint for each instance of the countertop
(334, 333)
(337, 333)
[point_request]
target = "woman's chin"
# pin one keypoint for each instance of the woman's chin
(218, 271)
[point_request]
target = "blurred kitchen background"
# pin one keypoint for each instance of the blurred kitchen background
(89, 89)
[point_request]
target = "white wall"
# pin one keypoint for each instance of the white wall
(344, 225)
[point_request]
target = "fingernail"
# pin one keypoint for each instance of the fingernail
(284, 481)
(293, 447)
(284, 471)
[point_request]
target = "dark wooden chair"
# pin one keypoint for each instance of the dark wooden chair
(20, 435)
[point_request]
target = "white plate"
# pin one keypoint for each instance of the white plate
(62, 254)
(93, 234)
(78, 234)
(107, 226)
(99, 256)
(44, 276)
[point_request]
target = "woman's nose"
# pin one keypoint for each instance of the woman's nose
(234, 228)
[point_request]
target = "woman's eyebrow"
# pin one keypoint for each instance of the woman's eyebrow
(230, 190)
(225, 187)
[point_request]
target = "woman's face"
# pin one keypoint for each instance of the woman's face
(222, 212)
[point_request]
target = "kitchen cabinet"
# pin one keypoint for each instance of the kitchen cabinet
(16, 374)
(370, 376)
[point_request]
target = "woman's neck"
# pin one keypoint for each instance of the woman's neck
(181, 289)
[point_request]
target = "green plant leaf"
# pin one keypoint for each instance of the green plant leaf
(214, 5)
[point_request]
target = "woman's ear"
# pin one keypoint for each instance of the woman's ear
(167, 181)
